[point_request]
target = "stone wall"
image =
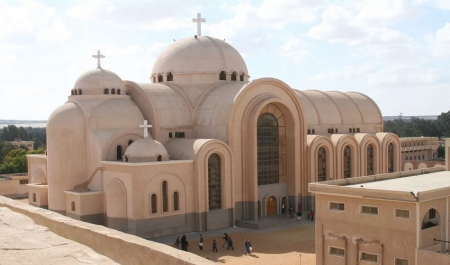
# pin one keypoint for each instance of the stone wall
(120, 247)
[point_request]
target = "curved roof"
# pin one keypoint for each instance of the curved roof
(202, 54)
(145, 148)
(334, 107)
(99, 79)
(115, 113)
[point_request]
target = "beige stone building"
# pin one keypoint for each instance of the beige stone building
(19, 143)
(398, 218)
(420, 152)
(221, 147)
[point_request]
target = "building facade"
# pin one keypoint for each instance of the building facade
(220, 147)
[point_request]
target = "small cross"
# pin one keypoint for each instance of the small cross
(145, 126)
(98, 56)
(199, 21)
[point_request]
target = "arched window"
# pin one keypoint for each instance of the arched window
(182, 134)
(369, 160)
(222, 76)
(176, 201)
(160, 78)
(34, 197)
(233, 76)
(165, 197)
(154, 204)
(391, 158)
(170, 135)
(336, 130)
(72, 93)
(159, 158)
(118, 91)
(242, 76)
(105, 91)
(268, 149)
(80, 92)
(126, 158)
(170, 76)
(313, 131)
(154, 79)
(73, 206)
(431, 218)
(130, 142)
(321, 165)
(76, 92)
(214, 182)
(347, 162)
(119, 152)
(176, 135)
(113, 91)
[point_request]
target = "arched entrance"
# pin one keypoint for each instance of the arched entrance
(271, 205)
(116, 206)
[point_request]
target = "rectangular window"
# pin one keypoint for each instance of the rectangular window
(401, 213)
(369, 257)
(337, 206)
(399, 261)
(432, 214)
(369, 210)
(337, 251)
(23, 181)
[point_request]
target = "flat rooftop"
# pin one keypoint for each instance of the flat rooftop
(416, 183)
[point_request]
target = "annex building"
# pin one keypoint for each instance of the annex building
(399, 218)
(200, 145)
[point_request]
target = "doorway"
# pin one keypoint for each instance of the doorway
(259, 208)
(271, 205)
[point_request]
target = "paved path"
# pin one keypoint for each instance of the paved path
(24, 242)
(280, 245)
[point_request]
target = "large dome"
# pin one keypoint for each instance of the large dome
(98, 80)
(199, 55)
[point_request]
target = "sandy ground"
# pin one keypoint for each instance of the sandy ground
(294, 245)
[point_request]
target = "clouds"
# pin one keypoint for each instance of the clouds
(29, 22)
(440, 41)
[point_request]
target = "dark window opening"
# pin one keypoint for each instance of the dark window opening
(170, 135)
(159, 158)
(176, 201)
(160, 78)
(76, 93)
(130, 142)
(73, 206)
(80, 92)
(350, 130)
(34, 197)
(72, 93)
(154, 204)
(105, 91)
(165, 197)
(222, 76)
(242, 77)
(336, 130)
(214, 182)
(309, 131)
(358, 130)
(233, 76)
(391, 158)
(176, 134)
(113, 91)
(369, 160)
(313, 131)
(321, 165)
(118, 91)
(119, 152)
(169, 76)
(268, 149)
(347, 162)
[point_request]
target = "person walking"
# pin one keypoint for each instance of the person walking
(230, 244)
(200, 243)
(177, 243)
(226, 239)
(248, 246)
(299, 215)
(184, 243)
(214, 246)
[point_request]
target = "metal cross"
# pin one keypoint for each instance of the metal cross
(199, 21)
(98, 56)
(145, 126)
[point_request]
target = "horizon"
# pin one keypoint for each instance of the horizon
(394, 51)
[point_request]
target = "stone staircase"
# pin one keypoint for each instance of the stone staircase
(267, 222)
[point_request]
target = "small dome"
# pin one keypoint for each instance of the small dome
(201, 55)
(146, 150)
(99, 79)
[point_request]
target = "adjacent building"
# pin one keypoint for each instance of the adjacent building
(398, 218)
(420, 152)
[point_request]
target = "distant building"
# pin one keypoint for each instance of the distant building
(18, 143)
(398, 218)
(420, 152)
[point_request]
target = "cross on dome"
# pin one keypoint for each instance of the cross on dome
(145, 126)
(98, 56)
(199, 21)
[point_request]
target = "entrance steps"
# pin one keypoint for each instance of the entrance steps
(267, 222)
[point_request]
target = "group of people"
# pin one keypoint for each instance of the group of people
(228, 242)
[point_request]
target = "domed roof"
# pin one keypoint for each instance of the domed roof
(202, 54)
(145, 150)
(99, 79)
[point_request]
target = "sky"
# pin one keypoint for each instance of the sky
(395, 51)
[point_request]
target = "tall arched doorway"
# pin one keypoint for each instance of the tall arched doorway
(271, 206)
